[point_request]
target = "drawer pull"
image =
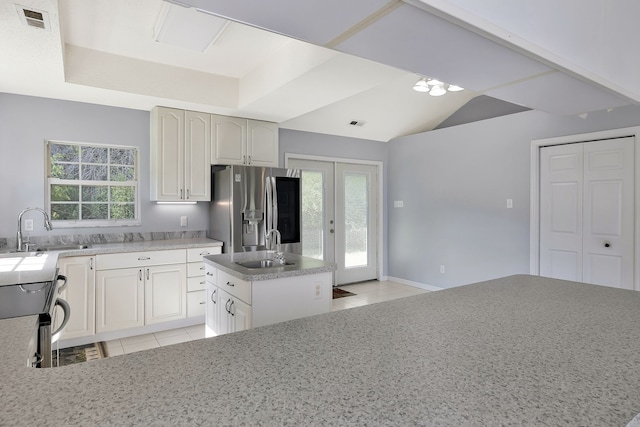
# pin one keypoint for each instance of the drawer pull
(209, 273)
(202, 268)
(204, 253)
(213, 297)
(230, 284)
(203, 282)
(203, 303)
(143, 258)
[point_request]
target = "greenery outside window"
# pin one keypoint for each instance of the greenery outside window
(91, 185)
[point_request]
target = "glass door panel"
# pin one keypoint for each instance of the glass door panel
(356, 213)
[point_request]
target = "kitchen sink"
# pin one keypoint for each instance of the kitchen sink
(262, 263)
(61, 247)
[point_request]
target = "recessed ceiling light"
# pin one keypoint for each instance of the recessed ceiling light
(421, 86)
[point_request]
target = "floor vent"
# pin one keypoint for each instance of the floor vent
(33, 17)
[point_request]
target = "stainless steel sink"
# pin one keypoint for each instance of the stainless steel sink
(61, 247)
(262, 263)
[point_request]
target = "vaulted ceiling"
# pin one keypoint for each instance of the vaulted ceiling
(314, 65)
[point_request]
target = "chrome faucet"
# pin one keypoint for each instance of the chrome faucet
(22, 246)
(279, 257)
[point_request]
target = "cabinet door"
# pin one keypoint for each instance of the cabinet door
(165, 293)
(119, 299)
(262, 143)
(234, 314)
(80, 294)
(167, 154)
(229, 140)
(212, 316)
(197, 156)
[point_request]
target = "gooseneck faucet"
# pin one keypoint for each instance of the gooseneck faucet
(279, 257)
(20, 245)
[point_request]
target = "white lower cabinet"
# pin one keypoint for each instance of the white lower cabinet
(80, 294)
(119, 299)
(165, 293)
(144, 295)
(196, 293)
(234, 315)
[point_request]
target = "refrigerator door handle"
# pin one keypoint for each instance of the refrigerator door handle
(267, 209)
(274, 216)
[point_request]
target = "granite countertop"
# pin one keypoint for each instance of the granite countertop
(299, 265)
(520, 350)
(147, 245)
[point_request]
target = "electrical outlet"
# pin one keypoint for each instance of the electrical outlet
(509, 203)
(398, 203)
(28, 224)
(183, 221)
(318, 291)
(442, 269)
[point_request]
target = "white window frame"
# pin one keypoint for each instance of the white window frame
(84, 223)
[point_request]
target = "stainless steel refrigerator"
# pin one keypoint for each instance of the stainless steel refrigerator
(247, 202)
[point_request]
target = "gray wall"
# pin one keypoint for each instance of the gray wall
(297, 142)
(26, 122)
(454, 183)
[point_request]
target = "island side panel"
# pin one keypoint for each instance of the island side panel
(290, 298)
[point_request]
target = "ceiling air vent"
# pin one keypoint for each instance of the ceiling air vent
(33, 17)
(357, 123)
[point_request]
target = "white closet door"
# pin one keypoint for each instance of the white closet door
(587, 212)
(561, 176)
(609, 213)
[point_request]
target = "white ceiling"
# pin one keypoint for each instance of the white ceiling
(344, 61)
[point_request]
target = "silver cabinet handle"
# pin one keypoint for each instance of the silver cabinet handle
(249, 159)
(230, 284)
(230, 307)
(203, 282)
(203, 303)
(204, 253)
(147, 274)
(91, 263)
(140, 275)
(143, 258)
(187, 194)
(213, 294)
(202, 268)
(181, 194)
(209, 273)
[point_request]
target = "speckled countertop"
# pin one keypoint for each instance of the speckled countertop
(298, 265)
(148, 245)
(515, 351)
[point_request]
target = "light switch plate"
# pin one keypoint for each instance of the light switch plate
(398, 203)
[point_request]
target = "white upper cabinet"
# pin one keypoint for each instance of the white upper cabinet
(237, 141)
(262, 143)
(180, 152)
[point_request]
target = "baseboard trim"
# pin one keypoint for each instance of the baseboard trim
(412, 283)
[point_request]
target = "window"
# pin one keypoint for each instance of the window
(90, 185)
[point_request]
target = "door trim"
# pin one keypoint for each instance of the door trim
(534, 224)
(381, 201)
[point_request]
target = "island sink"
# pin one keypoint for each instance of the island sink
(262, 263)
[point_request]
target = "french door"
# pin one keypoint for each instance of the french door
(339, 216)
(587, 212)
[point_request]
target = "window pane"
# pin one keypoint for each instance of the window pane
(65, 171)
(64, 193)
(122, 173)
(356, 219)
(312, 215)
(91, 193)
(64, 153)
(122, 156)
(123, 194)
(64, 212)
(123, 211)
(94, 154)
(94, 172)
(95, 211)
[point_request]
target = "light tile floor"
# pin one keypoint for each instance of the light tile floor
(365, 293)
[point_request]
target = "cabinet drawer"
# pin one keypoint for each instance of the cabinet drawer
(196, 303)
(210, 274)
(195, 269)
(196, 254)
(140, 259)
(237, 287)
(196, 284)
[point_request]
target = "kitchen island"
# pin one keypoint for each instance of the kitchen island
(520, 350)
(250, 289)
